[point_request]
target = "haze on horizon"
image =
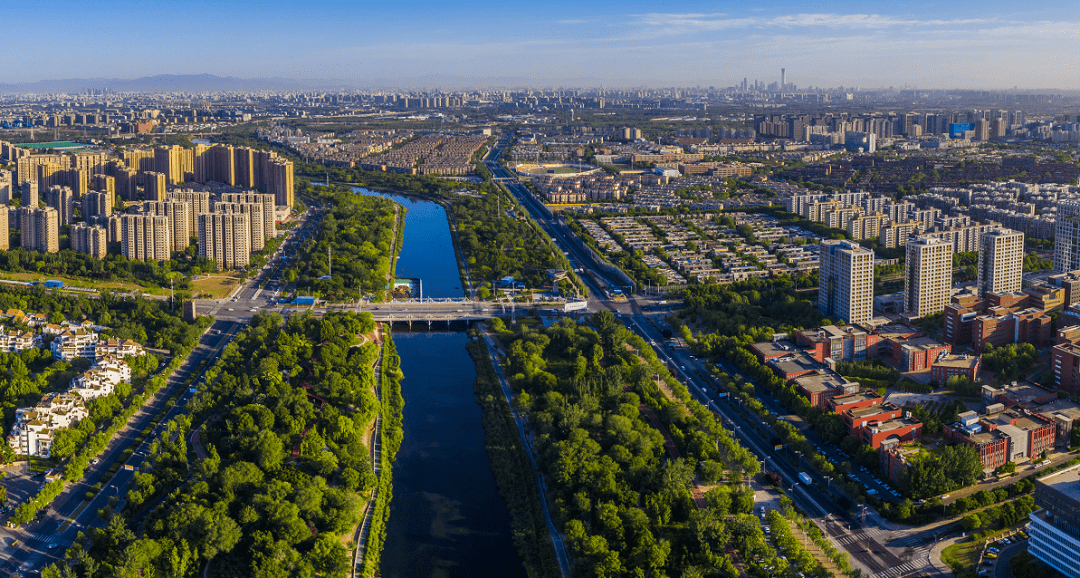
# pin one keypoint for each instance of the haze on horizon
(991, 44)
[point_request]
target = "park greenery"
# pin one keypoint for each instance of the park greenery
(283, 419)
(755, 308)
(512, 469)
(1009, 362)
(113, 268)
(621, 488)
(357, 232)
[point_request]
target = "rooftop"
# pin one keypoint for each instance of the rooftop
(961, 361)
(1066, 482)
(796, 363)
(822, 380)
(774, 348)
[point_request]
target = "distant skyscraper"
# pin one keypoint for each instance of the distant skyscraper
(783, 78)
(928, 276)
(1001, 261)
(846, 281)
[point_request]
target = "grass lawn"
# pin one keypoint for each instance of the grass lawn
(964, 554)
(217, 287)
(83, 282)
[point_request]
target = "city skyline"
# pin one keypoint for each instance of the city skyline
(634, 44)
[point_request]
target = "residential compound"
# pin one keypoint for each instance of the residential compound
(239, 167)
(168, 220)
(35, 427)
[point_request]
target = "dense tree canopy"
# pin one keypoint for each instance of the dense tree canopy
(283, 422)
(357, 232)
(624, 499)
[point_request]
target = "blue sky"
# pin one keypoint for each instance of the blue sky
(628, 43)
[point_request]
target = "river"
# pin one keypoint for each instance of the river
(428, 250)
(447, 519)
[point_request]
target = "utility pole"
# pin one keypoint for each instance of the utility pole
(329, 262)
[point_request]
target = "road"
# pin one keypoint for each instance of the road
(598, 282)
(44, 542)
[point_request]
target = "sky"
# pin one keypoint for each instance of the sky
(620, 44)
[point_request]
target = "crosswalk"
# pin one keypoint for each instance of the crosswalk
(49, 538)
(859, 536)
(909, 541)
(912, 565)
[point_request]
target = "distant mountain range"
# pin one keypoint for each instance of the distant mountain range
(169, 83)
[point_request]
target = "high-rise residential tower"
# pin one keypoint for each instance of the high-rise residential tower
(846, 281)
(1001, 261)
(927, 276)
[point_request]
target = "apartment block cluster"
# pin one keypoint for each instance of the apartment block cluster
(35, 427)
(124, 173)
(929, 130)
(229, 222)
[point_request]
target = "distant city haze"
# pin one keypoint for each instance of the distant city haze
(991, 44)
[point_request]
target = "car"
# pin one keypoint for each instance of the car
(231, 309)
(991, 555)
(872, 492)
(52, 545)
(95, 461)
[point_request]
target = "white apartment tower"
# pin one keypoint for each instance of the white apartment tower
(1067, 237)
(927, 276)
(1001, 261)
(846, 281)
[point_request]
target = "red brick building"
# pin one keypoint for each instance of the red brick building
(991, 445)
(821, 385)
(1030, 325)
(1065, 361)
(904, 429)
(917, 354)
(857, 400)
(958, 320)
(955, 365)
(847, 343)
(861, 418)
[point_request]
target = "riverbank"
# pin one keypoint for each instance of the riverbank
(511, 466)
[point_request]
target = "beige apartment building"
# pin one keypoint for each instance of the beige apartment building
(1001, 261)
(179, 216)
(145, 237)
(846, 281)
(40, 229)
(89, 239)
(928, 276)
(225, 239)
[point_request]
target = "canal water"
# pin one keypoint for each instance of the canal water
(428, 251)
(447, 519)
